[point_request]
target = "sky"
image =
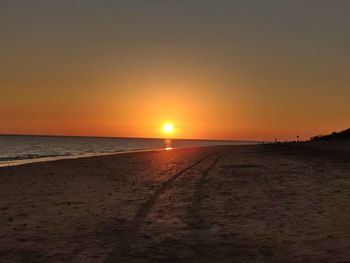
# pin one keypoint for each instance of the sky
(220, 69)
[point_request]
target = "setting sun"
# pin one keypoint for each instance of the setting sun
(168, 128)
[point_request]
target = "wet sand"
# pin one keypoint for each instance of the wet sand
(264, 203)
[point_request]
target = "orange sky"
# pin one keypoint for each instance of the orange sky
(246, 72)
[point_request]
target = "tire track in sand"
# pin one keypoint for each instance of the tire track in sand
(127, 237)
(146, 208)
(123, 250)
(195, 211)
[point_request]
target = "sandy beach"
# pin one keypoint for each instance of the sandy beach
(263, 203)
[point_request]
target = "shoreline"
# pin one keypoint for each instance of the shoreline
(22, 151)
(58, 158)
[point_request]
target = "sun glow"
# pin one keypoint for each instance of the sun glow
(168, 128)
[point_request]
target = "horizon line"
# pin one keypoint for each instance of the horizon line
(125, 137)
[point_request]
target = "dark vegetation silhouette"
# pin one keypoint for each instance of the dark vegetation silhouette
(343, 135)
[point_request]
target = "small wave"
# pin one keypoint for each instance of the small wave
(31, 156)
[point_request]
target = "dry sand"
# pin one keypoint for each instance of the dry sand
(271, 203)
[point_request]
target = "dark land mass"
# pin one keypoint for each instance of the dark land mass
(343, 135)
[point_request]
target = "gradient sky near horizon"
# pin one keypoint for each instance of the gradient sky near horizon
(215, 69)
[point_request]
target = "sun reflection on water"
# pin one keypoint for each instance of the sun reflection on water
(167, 144)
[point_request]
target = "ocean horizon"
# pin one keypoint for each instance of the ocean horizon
(22, 149)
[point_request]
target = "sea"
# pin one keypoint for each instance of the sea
(22, 149)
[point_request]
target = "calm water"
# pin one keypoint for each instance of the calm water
(16, 150)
